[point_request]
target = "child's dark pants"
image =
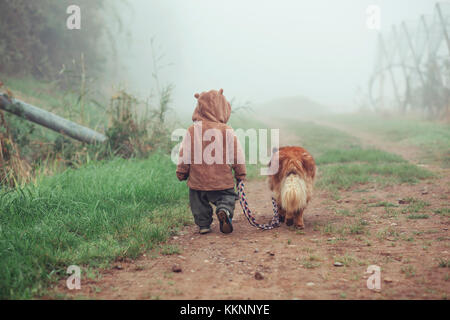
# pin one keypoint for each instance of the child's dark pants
(201, 207)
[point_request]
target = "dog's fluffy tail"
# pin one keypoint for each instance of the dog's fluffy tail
(293, 193)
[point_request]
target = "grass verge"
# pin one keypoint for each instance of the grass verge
(431, 137)
(343, 163)
(91, 216)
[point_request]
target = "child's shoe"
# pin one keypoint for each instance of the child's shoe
(204, 230)
(226, 225)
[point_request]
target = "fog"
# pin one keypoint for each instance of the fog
(259, 50)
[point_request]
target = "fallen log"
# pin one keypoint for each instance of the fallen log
(50, 120)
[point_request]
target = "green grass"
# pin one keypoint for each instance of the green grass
(445, 212)
(385, 204)
(170, 249)
(358, 154)
(329, 228)
(414, 205)
(389, 212)
(358, 227)
(344, 168)
(319, 140)
(408, 270)
(311, 262)
(418, 216)
(431, 137)
(344, 176)
(91, 216)
(344, 212)
(387, 232)
(343, 163)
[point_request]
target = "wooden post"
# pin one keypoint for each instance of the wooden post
(411, 47)
(427, 32)
(447, 40)
(405, 74)
(381, 66)
(50, 120)
(378, 72)
(394, 84)
(444, 28)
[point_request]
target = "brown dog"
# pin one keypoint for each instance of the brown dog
(293, 183)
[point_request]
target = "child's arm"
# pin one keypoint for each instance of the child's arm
(240, 171)
(182, 168)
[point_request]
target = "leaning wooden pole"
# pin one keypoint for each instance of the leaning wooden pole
(50, 120)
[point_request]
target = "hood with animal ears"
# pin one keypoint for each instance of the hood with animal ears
(212, 106)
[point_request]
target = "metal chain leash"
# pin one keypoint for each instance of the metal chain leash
(248, 214)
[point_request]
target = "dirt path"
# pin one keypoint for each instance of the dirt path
(300, 264)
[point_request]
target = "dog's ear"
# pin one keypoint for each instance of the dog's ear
(221, 91)
(309, 165)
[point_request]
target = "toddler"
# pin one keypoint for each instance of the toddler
(209, 153)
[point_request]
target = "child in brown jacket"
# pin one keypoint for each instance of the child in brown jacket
(208, 154)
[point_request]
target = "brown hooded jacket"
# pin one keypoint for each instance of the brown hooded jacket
(210, 149)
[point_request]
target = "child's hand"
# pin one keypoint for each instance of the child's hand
(182, 176)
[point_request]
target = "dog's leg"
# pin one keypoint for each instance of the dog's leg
(298, 217)
(289, 218)
(282, 214)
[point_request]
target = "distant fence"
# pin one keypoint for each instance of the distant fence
(412, 69)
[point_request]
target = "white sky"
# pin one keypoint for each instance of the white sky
(258, 50)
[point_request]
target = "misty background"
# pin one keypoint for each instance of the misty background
(258, 51)
(96, 185)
